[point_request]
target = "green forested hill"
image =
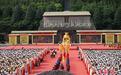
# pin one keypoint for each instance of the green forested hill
(27, 14)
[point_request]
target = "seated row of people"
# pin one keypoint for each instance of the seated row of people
(11, 59)
(107, 62)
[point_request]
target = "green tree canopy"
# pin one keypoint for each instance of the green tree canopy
(51, 7)
(5, 25)
(39, 13)
(98, 18)
(17, 14)
(7, 12)
(108, 17)
(30, 13)
(117, 19)
(0, 13)
(58, 7)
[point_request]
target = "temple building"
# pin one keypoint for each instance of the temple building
(77, 23)
(67, 21)
(54, 25)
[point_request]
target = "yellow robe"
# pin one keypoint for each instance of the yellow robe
(64, 47)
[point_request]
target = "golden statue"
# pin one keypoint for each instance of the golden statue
(66, 38)
(64, 48)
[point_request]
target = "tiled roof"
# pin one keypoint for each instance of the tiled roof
(67, 13)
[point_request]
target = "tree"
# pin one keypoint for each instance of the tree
(38, 17)
(25, 25)
(30, 13)
(17, 14)
(58, 7)
(5, 25)
(89, 7)
(51, 7)
(0, 12)
(39, 13)
(108, 16)
(76, 5)
(7, 12)
(98, 18)
(117, 19)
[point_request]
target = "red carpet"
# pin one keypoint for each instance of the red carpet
(77, 66)
(46, 65)
(83, 46)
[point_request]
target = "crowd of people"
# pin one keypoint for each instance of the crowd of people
(106, 62)
(11, 59)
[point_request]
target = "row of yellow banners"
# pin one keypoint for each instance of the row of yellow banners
(23, 40)
(110, 38)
